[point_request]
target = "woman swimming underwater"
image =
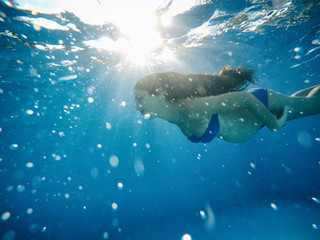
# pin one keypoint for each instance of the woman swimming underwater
(206, 106)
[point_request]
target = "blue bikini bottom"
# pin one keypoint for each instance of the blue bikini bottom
(214, 126)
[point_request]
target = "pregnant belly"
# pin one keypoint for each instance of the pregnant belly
(238, 126)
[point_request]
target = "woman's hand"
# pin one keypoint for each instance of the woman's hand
(236, 100)
(282, 120)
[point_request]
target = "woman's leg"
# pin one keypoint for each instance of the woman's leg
(299, 106)
(304, 92)
(315, 92)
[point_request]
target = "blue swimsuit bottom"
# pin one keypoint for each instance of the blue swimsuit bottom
(214, 126)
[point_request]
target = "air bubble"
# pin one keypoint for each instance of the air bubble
(315, 200)
(120, 185)
(274, 206)
(13, 146)
(29, 112)
(305, 139)
(33, 72)
(114, 161)
(252, 165)
(21, 188)
(5, 216)
(139, 167)
(94, 173)
(29, 164)
(186, 237)
(203, 214)
(114, 206)
(108, 126)
(297, 49)
(105, 235)
(29, 211)
(67, 78)
(315, 41)
(147, 116)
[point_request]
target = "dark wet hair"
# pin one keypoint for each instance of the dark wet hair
(177, 86)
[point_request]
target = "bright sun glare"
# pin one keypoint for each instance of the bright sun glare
(138, 24)
(140, 37)
(136, 20)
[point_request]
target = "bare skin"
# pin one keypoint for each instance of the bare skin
(240, 113)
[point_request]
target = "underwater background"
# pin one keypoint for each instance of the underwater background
(78, 161)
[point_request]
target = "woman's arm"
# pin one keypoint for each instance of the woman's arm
(235, 100)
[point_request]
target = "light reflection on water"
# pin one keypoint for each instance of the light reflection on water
(156, 46)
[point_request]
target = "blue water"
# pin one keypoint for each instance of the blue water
(77, 161)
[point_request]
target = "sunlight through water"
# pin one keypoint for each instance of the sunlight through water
(137, 21)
